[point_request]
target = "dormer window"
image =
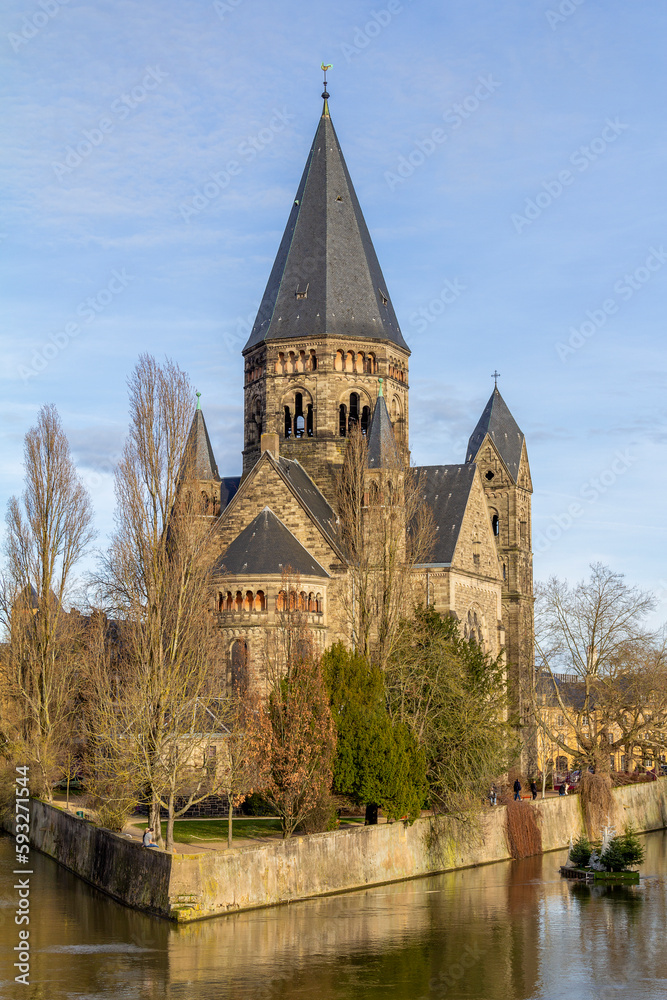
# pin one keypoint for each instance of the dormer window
(304, 293)
(383, 297)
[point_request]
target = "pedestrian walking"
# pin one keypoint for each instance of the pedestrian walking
(517, 790)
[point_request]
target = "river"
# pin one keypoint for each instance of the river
(507, 931)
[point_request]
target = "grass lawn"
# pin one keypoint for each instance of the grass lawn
(197, 831)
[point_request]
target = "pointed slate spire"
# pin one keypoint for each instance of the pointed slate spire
(502, 428)
(326, 279)
(198, 449)
(382, 449)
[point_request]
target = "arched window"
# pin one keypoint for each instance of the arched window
(239, 658)
(371, 364)
(365, 419)
(281, 601)
(349, 361)
(260, 601)
(280, 364)
(229, 602)
(309, 421)
(249, 601)
(292, 600)
(299, 420)
(291, 362)
(342, 420)
(288, 422)
(318, 604)
(338, 361)
(238, 603)
(354, 409)
(303, 601)
(313, 361)
(312, 607)
(204, 502)
(301, 362)
(359, 366)
(495, 524)
(221, 602)
(374, 495)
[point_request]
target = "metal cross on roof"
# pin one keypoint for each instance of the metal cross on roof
(495, 377)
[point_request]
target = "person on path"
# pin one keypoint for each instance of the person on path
(517, 790)
(533, 788)
(493, 795)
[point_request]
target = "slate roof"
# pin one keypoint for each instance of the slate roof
(198, 450)
(446, 489)
(266, 546)
(382, 449)
(310, 495)
(500, 425)
(326, 256)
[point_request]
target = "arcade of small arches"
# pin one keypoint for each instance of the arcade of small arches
(355, 361)
(291, 362)
(256, 369)
(256, 601)
(397, 371)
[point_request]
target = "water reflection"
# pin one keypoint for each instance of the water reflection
(509, 931)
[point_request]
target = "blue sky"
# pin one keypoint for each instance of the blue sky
(510, 161)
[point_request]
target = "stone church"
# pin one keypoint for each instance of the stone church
(326, 354)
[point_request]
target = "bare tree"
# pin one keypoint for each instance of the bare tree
(48, 531)
(605, 670)
(387, 531)
(155, 578)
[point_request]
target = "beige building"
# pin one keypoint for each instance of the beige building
(326, 354)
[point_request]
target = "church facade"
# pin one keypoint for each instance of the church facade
(326, 355)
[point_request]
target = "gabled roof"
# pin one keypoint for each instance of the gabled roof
(382, 450)
(309, 495)
(326, 279)
(198, 450)
(446, 489)
(266, 546)
(502, 428)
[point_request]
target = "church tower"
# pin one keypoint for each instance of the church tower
(326, 331)
(498, 447)
(199, 465)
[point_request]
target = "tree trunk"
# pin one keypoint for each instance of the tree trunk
(371, 814)
(544, 784)
(229, 821)
(154, 822)
(169, 844)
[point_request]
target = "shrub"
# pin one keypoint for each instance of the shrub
(580, 854)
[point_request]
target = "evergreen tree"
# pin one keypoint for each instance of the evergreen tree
(378, 761)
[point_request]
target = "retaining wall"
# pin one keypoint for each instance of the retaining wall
(186, 887)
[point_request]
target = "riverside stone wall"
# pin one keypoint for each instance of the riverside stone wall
(190, 887)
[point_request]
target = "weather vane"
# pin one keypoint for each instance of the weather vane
(495, 377)
(324, 70)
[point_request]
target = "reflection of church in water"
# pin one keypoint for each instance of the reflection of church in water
(326, 353)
